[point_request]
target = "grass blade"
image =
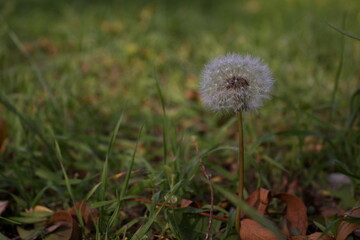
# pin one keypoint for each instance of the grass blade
(344, 32)
(38, 196)
(153, 212)
(275, 163)
(92, 191)
(104, 176)
(250, 211)
(115, 214)
(338, 72)
(36, 69)
(67, 181)
(68, 184)
(145, 228)
(354, 109)
(165, 120)
(25, 121)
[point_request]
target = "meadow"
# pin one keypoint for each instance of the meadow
(99, 109)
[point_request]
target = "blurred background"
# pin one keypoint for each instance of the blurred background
(69, 68)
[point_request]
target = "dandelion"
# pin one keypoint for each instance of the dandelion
(235, 83)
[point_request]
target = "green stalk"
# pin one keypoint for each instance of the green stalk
(338, 72)
(240, 190)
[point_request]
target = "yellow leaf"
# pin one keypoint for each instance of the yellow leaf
(39, 208)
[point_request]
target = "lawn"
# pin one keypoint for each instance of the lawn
(103, 134)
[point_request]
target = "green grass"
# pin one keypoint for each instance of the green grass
(69, 68)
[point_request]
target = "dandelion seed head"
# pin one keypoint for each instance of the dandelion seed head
(233, 83)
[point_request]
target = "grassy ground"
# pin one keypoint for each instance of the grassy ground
(69, 70)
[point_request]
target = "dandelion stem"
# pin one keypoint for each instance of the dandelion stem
(240, 190)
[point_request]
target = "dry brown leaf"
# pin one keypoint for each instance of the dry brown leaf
(69, 228)
(314, 236)
(3, 134)
(3, 205)
(192, 95)
(53, 227)
(113, 27)
(189, 203)
(88, 215)
(330, 211)
(185, 203)
(61, 216)
(119, 175)
(317, 236)
(346, 228)
(217, 179)
(291, 188)
(48, 45)
(299, 238)
(296, 216)
(251, 230)
(259, 199)
(60, 231)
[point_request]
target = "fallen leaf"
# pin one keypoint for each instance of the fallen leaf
(251, 230)
(192, 95)
(31, 234)
(188, 203)
(299, 238)
(314, 236)
(39, 208)
(88, 215)
(3, 134)
(346, 228)
(357, 233)
(217, 179)
(3, 205)
(52, 228)
(330, 211)
(63, 231)
(69, 228)
(185, 203)
(291, 189)
(113, 27)
(296, 217)
(61, 216)
(47, 45)
(119, 175)
(259, 199)
(224, 204)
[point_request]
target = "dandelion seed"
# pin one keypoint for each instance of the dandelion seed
(235, 83)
